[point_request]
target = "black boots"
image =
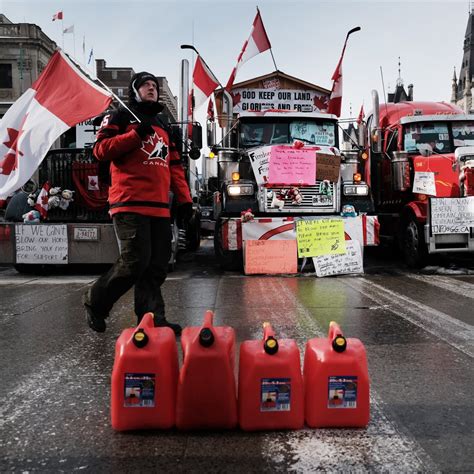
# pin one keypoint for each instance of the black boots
(95, 322)
(161, 321)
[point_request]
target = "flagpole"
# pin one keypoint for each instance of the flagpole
(62, 29)
(271, 52)
(116, 97)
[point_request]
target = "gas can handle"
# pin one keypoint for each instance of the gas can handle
(147, 321)
(336, 337)
(208, 319)
(268, 331)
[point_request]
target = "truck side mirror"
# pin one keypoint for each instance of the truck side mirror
(211, 133)
(197, 135)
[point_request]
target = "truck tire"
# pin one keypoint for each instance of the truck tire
(231, 260)
(414, 249)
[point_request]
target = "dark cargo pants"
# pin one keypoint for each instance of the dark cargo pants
(145, 250)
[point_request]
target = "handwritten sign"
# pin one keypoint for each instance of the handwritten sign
(328, 167)
(289, 165)
(341, 264)
(424, 183)
(452, 215)
(259, 159)
(270, 257)
(320, 237)
(41, 243)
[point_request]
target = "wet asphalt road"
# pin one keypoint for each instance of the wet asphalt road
(417, 329)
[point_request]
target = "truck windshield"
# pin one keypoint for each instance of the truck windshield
(266, 132)
(422, 134)
(463, 133)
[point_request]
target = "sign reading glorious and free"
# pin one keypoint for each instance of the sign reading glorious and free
(257, 100)
(452, 215)
(290, 165)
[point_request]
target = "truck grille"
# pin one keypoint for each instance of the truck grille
(314, 202)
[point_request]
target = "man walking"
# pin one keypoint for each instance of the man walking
(144, 166)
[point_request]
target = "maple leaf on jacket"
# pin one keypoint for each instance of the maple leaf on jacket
(10, 160)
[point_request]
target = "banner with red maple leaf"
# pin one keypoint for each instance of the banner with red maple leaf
(61, 97)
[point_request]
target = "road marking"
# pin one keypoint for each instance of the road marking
(451, 284)
(382, 447)
(450, 330)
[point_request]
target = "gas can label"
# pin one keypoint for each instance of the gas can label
(342, 392)
(275, 395)
(139, 390)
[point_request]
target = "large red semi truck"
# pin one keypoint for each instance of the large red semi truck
(421, 169)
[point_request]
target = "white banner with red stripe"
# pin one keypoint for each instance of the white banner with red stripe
(364, 229)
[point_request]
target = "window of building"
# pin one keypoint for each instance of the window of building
(6, 76)
(114, 74)
(120, 92)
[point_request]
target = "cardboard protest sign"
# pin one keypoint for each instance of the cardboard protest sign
(320, 237)
(452, 215)
(270, 257)
(327, 167)
(290, 165)
(340, 264)
(259, 159)
(424, 183)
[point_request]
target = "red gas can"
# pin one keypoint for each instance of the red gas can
(336, 381)
(206, 387)
(271, 395)
(144, 377)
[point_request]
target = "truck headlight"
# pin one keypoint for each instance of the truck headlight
(240, 189)
(355, 190)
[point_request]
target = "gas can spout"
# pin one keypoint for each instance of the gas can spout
(336, 337)
(270, 344)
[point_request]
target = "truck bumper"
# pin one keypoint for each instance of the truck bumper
(444, 243)
(362, 228)
(86, 243)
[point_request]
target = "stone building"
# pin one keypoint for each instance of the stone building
(24, 52)
(462, 88)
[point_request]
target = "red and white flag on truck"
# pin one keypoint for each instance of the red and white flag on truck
(258, 42)
(335, 99)
(204, 83)
(60, 98)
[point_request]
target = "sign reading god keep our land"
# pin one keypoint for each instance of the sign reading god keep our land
(260, 159)
(320, 237)
(290, 165)
(257, 100)
(341, 264)
(452, 215)
(424, 183)
(327, 167)
(41, 243)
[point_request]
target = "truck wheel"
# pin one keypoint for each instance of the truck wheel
(230, 260)
(414, 248)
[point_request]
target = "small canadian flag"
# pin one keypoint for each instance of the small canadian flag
(58, 16)
(93, 183)
(42, 200)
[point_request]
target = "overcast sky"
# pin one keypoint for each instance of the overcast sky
(306, 37)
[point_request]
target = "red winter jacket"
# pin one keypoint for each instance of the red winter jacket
(142, 171)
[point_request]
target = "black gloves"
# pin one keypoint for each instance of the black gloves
(144, 129)
(185, 213)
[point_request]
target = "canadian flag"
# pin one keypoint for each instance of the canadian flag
(361, 116)
(210, 111)
(42, 200)
(258, 42)
(335, 99)
(60, 98)
(204, 83)
(58, 16)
